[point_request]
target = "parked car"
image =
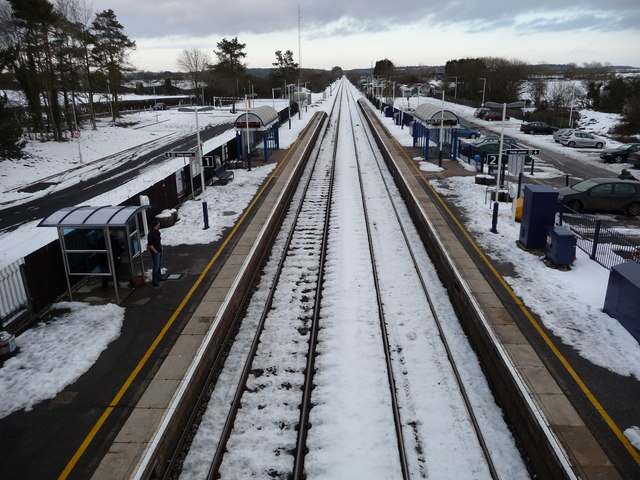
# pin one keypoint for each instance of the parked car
(578, 138)
(620, 153)
(491, 116)
(634, 159)
(160, 106)
(537, 127)
(467, 132)
(470, 148)
(604, 195)
(557, 135)
(481, 111)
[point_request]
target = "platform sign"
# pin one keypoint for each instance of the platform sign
(492, 159)
(521, 151)
(208, 161)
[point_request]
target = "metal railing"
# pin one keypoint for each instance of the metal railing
(603, 244)
(13, 294)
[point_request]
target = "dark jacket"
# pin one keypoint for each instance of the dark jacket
(153, 239)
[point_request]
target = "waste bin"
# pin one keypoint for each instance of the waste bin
(561, 245)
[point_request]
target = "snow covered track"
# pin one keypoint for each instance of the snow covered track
(381, 398)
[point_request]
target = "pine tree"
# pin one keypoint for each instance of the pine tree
(229, 54)
(110, 49)
(285, 66)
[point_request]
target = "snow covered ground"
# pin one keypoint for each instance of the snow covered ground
(576, 318)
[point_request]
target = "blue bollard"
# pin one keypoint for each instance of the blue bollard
(494, 218)
(205, 215)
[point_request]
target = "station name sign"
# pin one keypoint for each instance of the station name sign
(186, 153)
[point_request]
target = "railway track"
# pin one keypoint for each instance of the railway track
(347, 360)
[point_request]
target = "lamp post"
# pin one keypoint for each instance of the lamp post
(455, 91)
(500, 179)
(273, 95)
(76, 132)
(205, 211)
(441, 135)
(484, 84)
(573, 91)
(246, 121)
(154, 101)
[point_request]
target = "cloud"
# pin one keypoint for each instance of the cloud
(153, 18)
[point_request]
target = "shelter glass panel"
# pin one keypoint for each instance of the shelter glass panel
(84, 239)
(85, 263)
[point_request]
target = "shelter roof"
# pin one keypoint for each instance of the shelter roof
(430, 113)
(92, 217)
(262, 116)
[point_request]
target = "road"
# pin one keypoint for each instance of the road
(126, 167)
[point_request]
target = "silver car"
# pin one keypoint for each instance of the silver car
(557, 135)
(579, 138)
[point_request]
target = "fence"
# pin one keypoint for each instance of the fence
(603, 244)
(13, 294)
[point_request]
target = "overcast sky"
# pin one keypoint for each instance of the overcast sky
(357, 33)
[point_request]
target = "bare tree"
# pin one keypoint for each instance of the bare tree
(194, 62)
(560, 95)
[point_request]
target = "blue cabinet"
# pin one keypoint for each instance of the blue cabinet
(561, 245)
(622, 300)
(538, 214)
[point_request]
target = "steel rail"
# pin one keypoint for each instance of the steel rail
(306, 405)
(217, 459)
(438, 323)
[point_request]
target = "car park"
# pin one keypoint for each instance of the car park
(467, 132)
(602, 195)
(481, 111)
(620, 153)
(537, 127)
(578, 138)
(492, 116)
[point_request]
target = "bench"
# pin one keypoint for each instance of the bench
(222, 173)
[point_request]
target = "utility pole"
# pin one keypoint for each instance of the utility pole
(205, 212)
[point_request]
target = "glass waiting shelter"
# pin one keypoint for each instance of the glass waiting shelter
(100, 242)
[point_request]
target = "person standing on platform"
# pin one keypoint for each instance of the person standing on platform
(155, 248)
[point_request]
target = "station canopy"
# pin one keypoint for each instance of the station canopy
(429, 114)
(92, 217)
(259, 118)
